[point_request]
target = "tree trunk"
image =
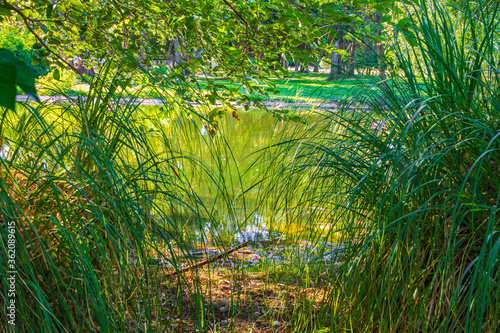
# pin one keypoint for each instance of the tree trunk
(379, 49)
(352, 59)
(260, 57)
(170, 53)
(344, 45)
(380, 57)
(177, 54)
(297, 65)
(334, 69)
(284, 63)
(315, 68)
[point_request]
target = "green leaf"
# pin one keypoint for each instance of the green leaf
(8, 75)
(404, 23)
(76, 5)
(25, 79)
(22, 76)
(283, 70)
(54, 41)
(5, 11)
(56, 74)
(49, 9)
(272, 90)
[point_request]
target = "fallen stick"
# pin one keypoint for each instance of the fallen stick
(208, 261)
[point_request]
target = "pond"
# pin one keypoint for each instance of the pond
(230, 178)
(233, 174)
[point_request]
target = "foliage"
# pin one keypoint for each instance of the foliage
(17, 39)
(49, 86)
(222, 39)
(13, 72)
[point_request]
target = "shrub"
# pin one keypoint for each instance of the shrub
(17, 38)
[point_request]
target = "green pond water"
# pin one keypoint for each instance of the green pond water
(234, 175)
(235, 181)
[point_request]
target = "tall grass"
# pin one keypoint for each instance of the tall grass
(413, 184)
(92, 197)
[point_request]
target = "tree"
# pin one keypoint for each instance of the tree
(239, 36)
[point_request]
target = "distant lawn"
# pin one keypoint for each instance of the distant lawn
(304, 87)
(314, 87)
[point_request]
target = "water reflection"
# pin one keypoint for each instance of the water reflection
(4, 151)
(262, 246)
(254, 232)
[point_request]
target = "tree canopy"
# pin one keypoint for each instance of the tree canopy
(221, 39)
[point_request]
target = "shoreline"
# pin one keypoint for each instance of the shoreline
(159, 102)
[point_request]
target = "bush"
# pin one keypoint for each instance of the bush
(18, 39)
(50, 86)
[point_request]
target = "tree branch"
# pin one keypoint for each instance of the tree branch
(205, 262)
(246, 33)
(38, 38)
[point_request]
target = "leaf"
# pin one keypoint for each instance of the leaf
(49, 9)
(43, 53)
(29, 13)
(25, 79)
(56, 74)
(411, 39)
(8, 75)
(76, 5)
(272, 90)
(235, 115)
(297, 119)
(54, 41)
(5, 11)
(14, 72)
(404, 23)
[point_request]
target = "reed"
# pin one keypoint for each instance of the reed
(92, 201)
(413, 183)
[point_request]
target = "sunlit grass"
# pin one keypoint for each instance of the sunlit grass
(312, 88)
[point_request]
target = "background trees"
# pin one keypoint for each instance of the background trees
(194, 35)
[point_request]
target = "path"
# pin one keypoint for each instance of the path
(159, 102)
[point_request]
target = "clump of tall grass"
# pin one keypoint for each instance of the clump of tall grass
(414, 183)
(93, 187)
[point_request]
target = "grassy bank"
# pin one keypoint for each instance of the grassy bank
(314, 88)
